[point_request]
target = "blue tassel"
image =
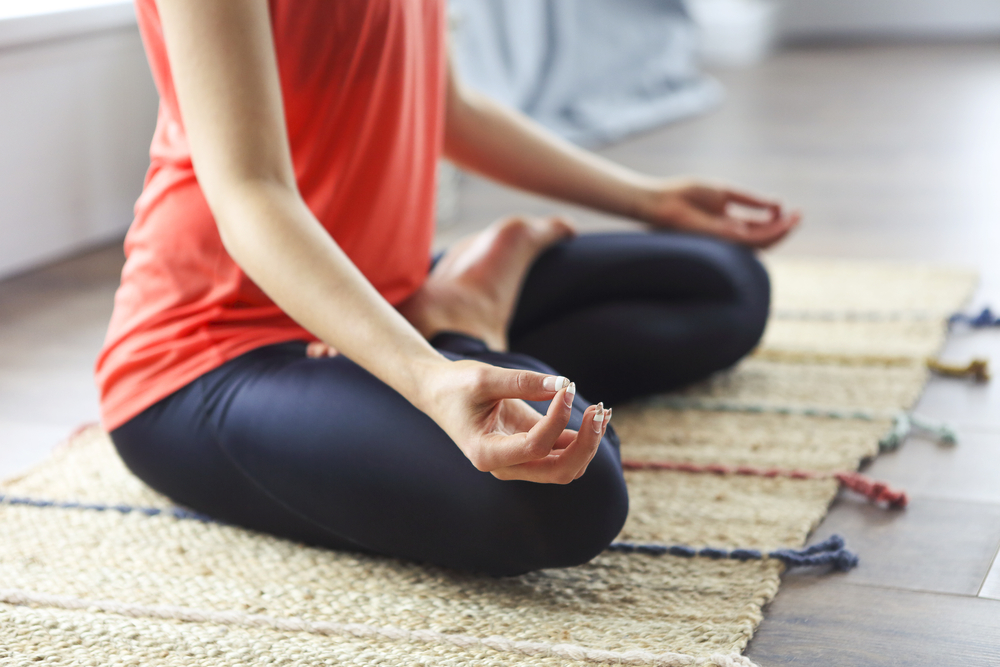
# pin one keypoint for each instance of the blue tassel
(830, 551)
(984, 319)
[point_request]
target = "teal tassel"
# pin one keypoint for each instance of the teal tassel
(903, 424)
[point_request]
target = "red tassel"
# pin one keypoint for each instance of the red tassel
(873, 490)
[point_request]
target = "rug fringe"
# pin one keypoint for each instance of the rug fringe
(977, 369)
(984, 319)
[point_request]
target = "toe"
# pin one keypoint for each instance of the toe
(560, 228)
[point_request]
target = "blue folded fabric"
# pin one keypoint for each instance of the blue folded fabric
(593, 71)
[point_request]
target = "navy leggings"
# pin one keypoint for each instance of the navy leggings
(320, 451)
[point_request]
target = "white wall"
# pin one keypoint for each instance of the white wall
(894, 18)
(76, 117)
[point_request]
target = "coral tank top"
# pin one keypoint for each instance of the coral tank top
(363, 91)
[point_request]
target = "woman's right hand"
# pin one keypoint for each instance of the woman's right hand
(482, 408)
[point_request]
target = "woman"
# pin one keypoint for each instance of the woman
(283, 357)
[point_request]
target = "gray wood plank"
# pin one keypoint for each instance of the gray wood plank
(824, 621)
(991, 584)
(966, 404)
(967, 471)
(932, 545)
(52, 324)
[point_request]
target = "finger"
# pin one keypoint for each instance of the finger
(741, 230)
(518, 417)
(498, 383)
(763, 235)
(753, 233)
(567, 228)
(600, 426)
(543, 435)
(753, 201)
(503, 451)
(750, 214)
(693, 219)
(561, 467)
(793, 223)
(318, 349)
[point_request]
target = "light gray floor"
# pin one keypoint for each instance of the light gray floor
(892, 152)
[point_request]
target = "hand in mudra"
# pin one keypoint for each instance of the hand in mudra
(719, 211)
(482, 408)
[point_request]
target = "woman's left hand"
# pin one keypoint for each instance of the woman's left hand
(718, 211)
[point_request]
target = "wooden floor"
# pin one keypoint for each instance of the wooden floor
(892, 152)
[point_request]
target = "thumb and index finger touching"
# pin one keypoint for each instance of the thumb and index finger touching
(535, 435)
(746, 219)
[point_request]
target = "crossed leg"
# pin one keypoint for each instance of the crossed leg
(318, 450)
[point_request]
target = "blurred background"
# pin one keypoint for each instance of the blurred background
(880, 119)
(776, 78)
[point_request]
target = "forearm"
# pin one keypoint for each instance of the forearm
(272, 235)
(505, 145)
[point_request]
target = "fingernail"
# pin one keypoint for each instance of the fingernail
(599, 418)
(570, 394)
(607, 416)
(554, 383)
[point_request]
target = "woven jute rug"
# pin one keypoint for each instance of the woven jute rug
(85, 582)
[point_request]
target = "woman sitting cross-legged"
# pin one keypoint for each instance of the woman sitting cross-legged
(283, 355)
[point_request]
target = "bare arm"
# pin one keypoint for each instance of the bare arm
(225, 72)
(507, 146)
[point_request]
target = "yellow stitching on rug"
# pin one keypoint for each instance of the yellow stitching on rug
(910, 315)
(802, 357)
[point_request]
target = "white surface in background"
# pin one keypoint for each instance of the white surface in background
(27, 444)
(897, 18)
(735, 33)
(27, 21)
(76, 118)
(16, 8)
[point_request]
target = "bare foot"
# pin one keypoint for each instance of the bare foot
(474, 288)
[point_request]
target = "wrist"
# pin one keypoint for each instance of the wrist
(657, 198)
(424, 379)
(648, 195)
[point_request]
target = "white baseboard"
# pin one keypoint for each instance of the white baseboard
(802, 19)
(75, 124)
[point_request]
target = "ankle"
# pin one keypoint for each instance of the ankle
(431, 316)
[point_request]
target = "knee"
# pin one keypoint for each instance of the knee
(756, 299)
(745, 273)
(575, 522)
(757, 285)
(599, 516)
(752, 291)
